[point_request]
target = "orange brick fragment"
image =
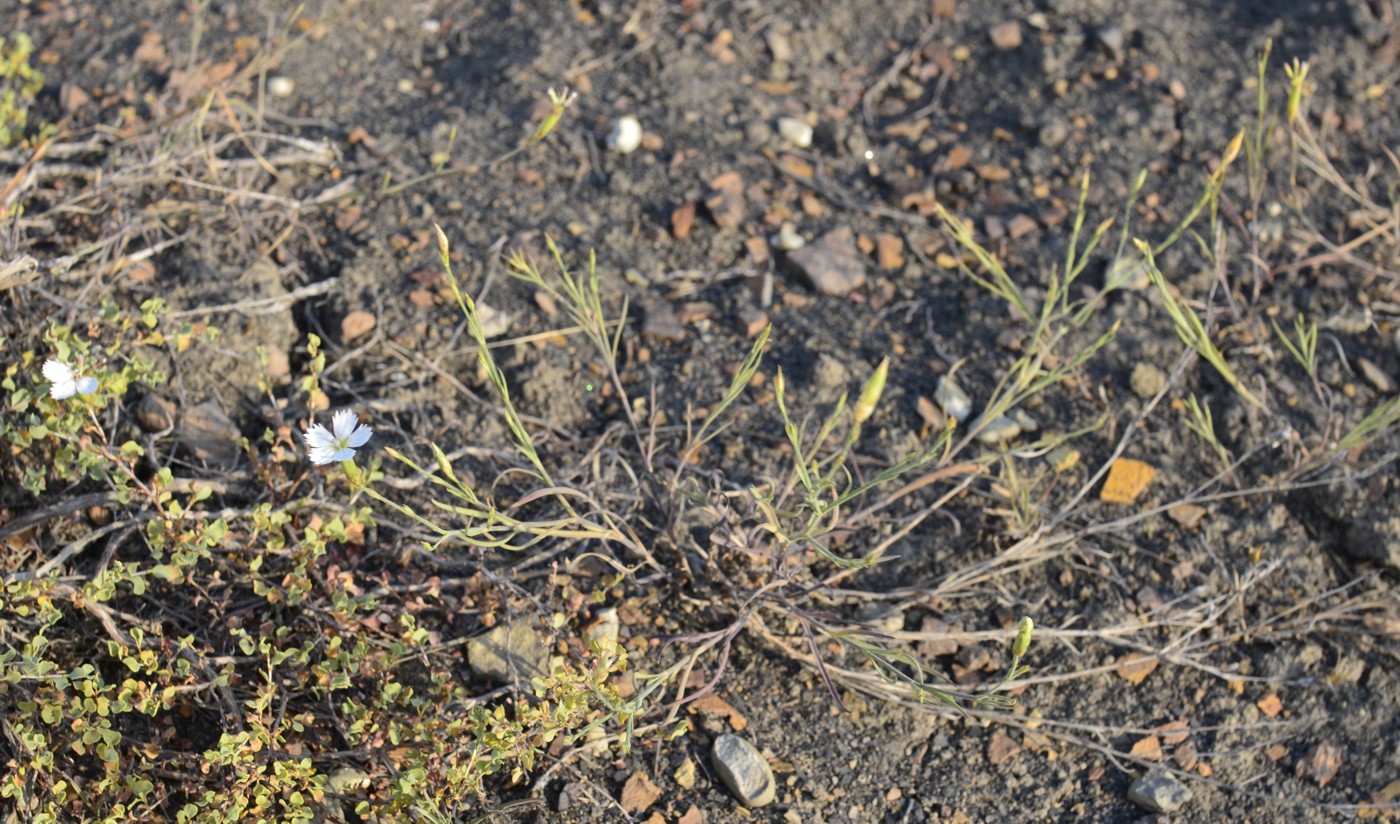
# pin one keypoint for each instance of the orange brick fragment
(1270, 705)
(1127, 479)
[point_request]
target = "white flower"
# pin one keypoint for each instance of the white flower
(65, 382)
(340, 441)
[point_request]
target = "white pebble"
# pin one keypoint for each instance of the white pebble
(795, 131)
(626, 135)
(952, 399)
(788, 239)
(281, 86)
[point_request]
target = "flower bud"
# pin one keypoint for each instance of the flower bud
(1232, 151)
(1023, 637)
(870, 393)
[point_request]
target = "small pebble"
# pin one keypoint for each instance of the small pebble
(626, 135)
(788, 239)
(1377, 376)
(281, 86)
(355, 325)
(1006, 36)
(952, 399)
(1111, 38)
(1159, 792)
(1147, 380)
(998, 430)
(795, 131)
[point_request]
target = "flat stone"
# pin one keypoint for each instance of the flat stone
(638, 794)
(208, 433)
(509, 651)
(1020, 226)
(1006, 36)
(889, 252)
(1159, 792)
(744, 771)
(357, 324)
(660, 320)
(831, 264)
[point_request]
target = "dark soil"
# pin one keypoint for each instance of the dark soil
(906, 96)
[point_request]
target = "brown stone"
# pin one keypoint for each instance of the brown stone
(639, 793)
(726, 200)
(958, 157)
(357, 324)
(889, 252)
(1020, 226)
(757, 248)
(752, 321)
(993, 173)
(682, 219)
(1006, 36)
(831, 264)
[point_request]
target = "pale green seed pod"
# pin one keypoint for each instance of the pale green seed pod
(871, 392)
(1023, 637)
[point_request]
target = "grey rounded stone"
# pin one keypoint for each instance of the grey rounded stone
(1147, 380)
(1159, 792)
(952, 399)
(998, 430)
(744, 771)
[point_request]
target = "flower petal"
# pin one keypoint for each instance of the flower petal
(322, 455)
(343, 454)
(57, 371)
(86, 385)
(343, 423)
(63, 389)
(318, 437)
(359, 437)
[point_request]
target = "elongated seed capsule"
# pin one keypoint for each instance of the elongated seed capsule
(1233, 150)
(1023, 637)
(870, 393)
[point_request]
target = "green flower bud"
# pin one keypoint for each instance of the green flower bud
(1023, 637)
